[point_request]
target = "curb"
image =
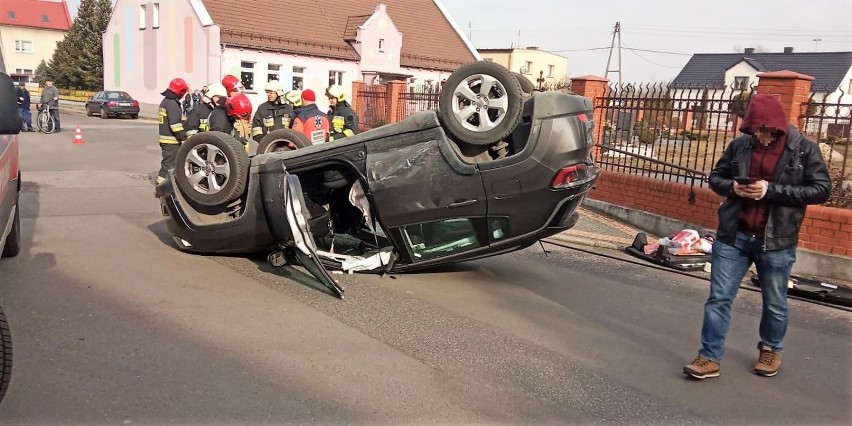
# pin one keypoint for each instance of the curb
(586, 242)
(80, 110)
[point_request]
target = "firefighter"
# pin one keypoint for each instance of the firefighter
(171, 128)
(310, 121)
(294, 98)
(232, 84)
(219, 120)
(199, 118)
(239, 109)
(344, 121)
(273, 114)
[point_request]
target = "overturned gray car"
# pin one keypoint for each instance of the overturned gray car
(493, 170)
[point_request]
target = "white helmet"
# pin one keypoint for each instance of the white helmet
(275, 86)
(336, 91)
(215, 89)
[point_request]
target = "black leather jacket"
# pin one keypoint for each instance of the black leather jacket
(801, 178)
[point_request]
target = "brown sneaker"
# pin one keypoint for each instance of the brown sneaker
(702, 368)
(768, 363)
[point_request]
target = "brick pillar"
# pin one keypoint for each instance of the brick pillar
(594, 88)
(686, 119)
(395, 88)
(792, 88)
(357, 101)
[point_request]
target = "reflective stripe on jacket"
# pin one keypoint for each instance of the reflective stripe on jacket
(270, 116)
(312, 123)
(171, 128)
(344, 122)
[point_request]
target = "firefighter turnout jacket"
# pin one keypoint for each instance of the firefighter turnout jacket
(270, 116)
(312, 123)
(344, 121)
(220, 121)
(171, 126)
(198, 119)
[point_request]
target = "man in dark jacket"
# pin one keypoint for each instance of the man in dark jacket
(769, 176)
(24, 104)
(344, 120)
(198, 119)
(273, 114)
(171, 128)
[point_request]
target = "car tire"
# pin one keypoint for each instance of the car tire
(462, 99)
(281, 140)
(89, 112)
(134, 116)
(13, 241)
(5, 355)
(212, 168)
(104, 114)
(526, 85)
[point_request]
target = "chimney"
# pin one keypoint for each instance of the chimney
(381, 8)
(749, 50)
(788, 49)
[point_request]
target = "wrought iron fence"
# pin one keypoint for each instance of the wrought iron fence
(827, 119)
(420, 98)
(674, 133)
(373, 110)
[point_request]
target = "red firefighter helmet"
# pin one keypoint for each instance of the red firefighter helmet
(238, 106)
(178, 86)
(231, 83)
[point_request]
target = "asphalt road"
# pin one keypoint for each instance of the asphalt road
(112, 325)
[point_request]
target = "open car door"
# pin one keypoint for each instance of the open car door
(287, 217)
(303, 240)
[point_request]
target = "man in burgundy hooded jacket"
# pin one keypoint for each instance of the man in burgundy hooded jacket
(768, 176)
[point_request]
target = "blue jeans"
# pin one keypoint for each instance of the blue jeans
(27, 117)
(729, 266)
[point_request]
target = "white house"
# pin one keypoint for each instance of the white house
(302, 44)
(29, 31)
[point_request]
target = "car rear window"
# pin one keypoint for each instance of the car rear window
(118, 95)
(10, 118)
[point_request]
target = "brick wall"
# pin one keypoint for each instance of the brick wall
(825, 229)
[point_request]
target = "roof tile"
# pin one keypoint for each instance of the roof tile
(32, 14)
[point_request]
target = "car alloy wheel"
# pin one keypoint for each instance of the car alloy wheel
(207, 169)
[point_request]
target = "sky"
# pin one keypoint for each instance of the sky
(674, 29)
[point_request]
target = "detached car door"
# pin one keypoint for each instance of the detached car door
(287, 216)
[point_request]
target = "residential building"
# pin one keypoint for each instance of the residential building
(533, 63)
(302, 44)
(29, 31)
(832, 71)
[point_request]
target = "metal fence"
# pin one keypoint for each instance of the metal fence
(420, 98)
(828, 120)
(374, 112)
(666, 132)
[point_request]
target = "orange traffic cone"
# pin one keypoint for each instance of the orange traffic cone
(78, 137)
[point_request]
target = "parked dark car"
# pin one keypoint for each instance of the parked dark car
(492, 171)
(112, 103)
(10, 218)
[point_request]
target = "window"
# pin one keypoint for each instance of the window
(142, 16)
(381, 45)
(273, 72)
(23, 71)
(550, 70)
(487, 59)
(441, 238)
(335, 77)
(298, 77)
(155, 16)
(528, 67)
(850, 86)
(23, 46)
(247, 74)
(740, 83)
(45, 18)
(11, 14)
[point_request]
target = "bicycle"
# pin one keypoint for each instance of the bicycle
(45, 122)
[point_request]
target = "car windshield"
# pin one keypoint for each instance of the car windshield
(118, 95)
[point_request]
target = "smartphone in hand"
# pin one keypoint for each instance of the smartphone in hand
(742, 180)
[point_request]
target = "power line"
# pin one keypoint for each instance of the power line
(648, 60)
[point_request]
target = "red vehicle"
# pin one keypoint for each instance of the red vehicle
(10, 219)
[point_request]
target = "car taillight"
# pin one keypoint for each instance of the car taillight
(112, 103)
(568, 175)
(136, 103)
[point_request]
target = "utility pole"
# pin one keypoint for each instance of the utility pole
(616, 33)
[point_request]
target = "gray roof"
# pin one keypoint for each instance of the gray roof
(827, 68)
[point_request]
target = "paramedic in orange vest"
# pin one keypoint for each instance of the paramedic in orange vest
(310, 121)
